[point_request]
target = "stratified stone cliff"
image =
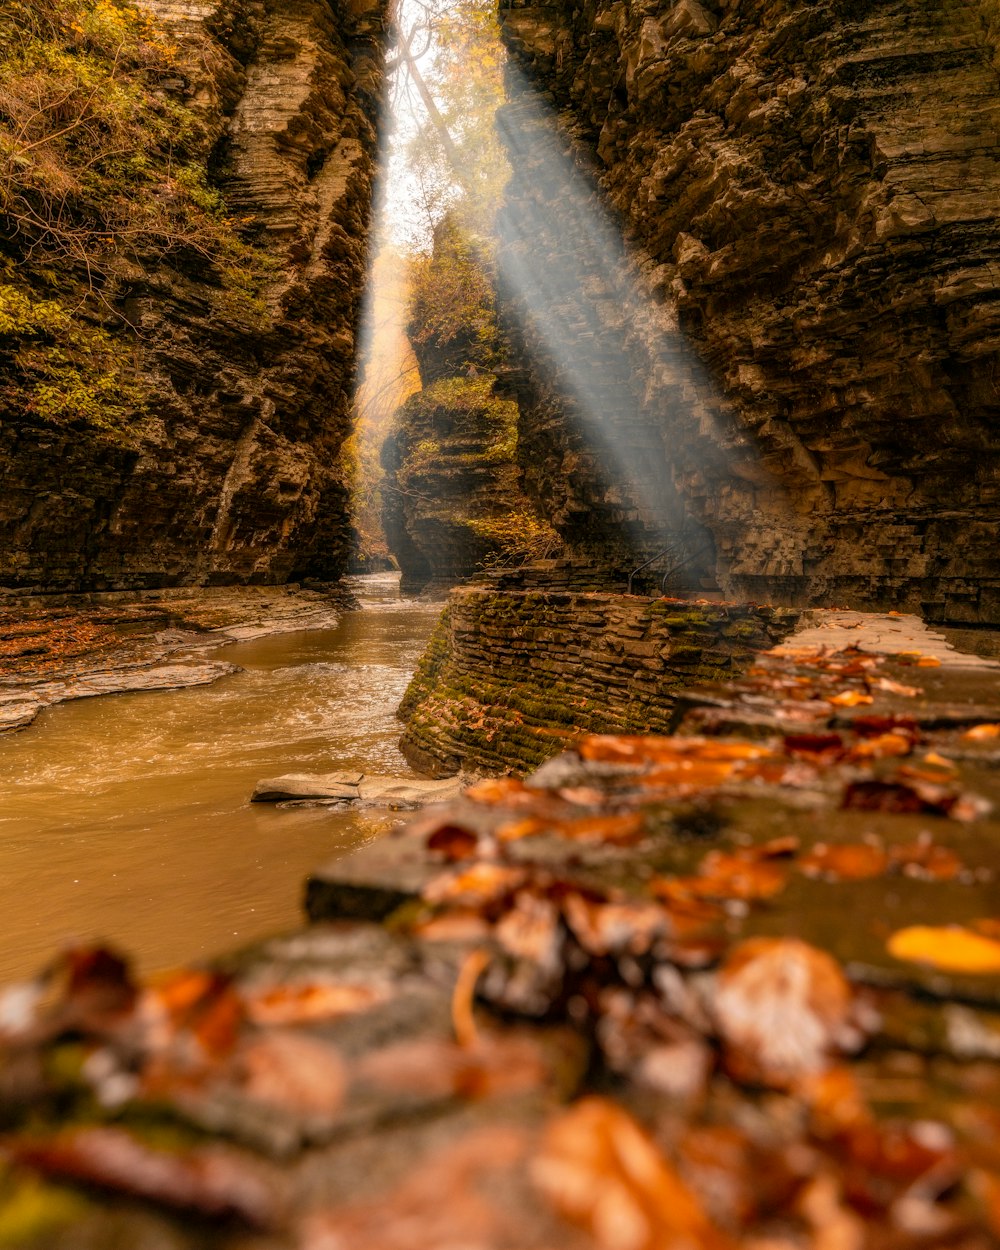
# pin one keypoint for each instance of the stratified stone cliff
(806, 321)
(229, 471)
(452, 499)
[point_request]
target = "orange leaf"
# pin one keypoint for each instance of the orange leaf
(950, 948)
(600, 1170)
(851, 698)
(926, 860)
(297, 1003)
(480, 884)
(882, 747)
(741, 875)
(982, 733)
(844, 862)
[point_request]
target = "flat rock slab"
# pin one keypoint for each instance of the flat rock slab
(358, 789)
(878, 634)
(17, 711)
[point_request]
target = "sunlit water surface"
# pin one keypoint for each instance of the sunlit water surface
(127, 818)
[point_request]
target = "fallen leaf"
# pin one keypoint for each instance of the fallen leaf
(982, 733)
(495, 790)
(925, 860)
(603, 928)
(600, 1170)
(882, 747)
(209, 1181)
(453, 842)
(195, 1009)
(300, 1002)
(950, 948)
(294, 1073)
(458, 924)
(835, 1101)
(888, 686)
(530, 930)
(844, 861)
(909, 796)
(783, 1009)
(476, 886)
(738, 875)
(826, 747)
(850, 698)
(928, 661)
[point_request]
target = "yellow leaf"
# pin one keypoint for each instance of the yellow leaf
(851, 698)
(947, 947)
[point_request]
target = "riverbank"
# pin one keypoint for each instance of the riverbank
(734, 987)
(57, 648)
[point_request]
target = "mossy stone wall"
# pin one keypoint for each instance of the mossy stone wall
(511, 677)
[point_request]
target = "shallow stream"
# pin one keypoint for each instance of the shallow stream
(127, 818)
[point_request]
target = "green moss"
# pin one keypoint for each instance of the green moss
(102, 174)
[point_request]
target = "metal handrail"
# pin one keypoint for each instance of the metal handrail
(653, 559)
(674, 568)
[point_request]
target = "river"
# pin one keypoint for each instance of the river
(126, 818)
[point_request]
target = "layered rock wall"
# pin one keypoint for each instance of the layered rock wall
(810, 198)
(510, 677)
(230, 473)
(451, 499)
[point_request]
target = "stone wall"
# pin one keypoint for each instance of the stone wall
(510, 677)
(806, 314)
(231, 473)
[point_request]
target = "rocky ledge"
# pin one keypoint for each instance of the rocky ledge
(75, 647)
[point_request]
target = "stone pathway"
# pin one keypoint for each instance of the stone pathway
(737, 987)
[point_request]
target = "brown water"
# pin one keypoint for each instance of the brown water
(126, 818)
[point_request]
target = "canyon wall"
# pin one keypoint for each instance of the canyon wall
(801, 334)
(226, 471)
(452, 497)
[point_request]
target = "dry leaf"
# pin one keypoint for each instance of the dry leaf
(844, 861)
(453, 842)
(738, 875)
(925, 860)
(949, 948)
(296, 1073)
(605, 927)
(476, 886)
(850, 698)
(600, 1170)
(982, 733)
(300, 1002)
(783, 1009)
(885, 746)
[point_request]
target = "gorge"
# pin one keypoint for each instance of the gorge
(670, 377)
